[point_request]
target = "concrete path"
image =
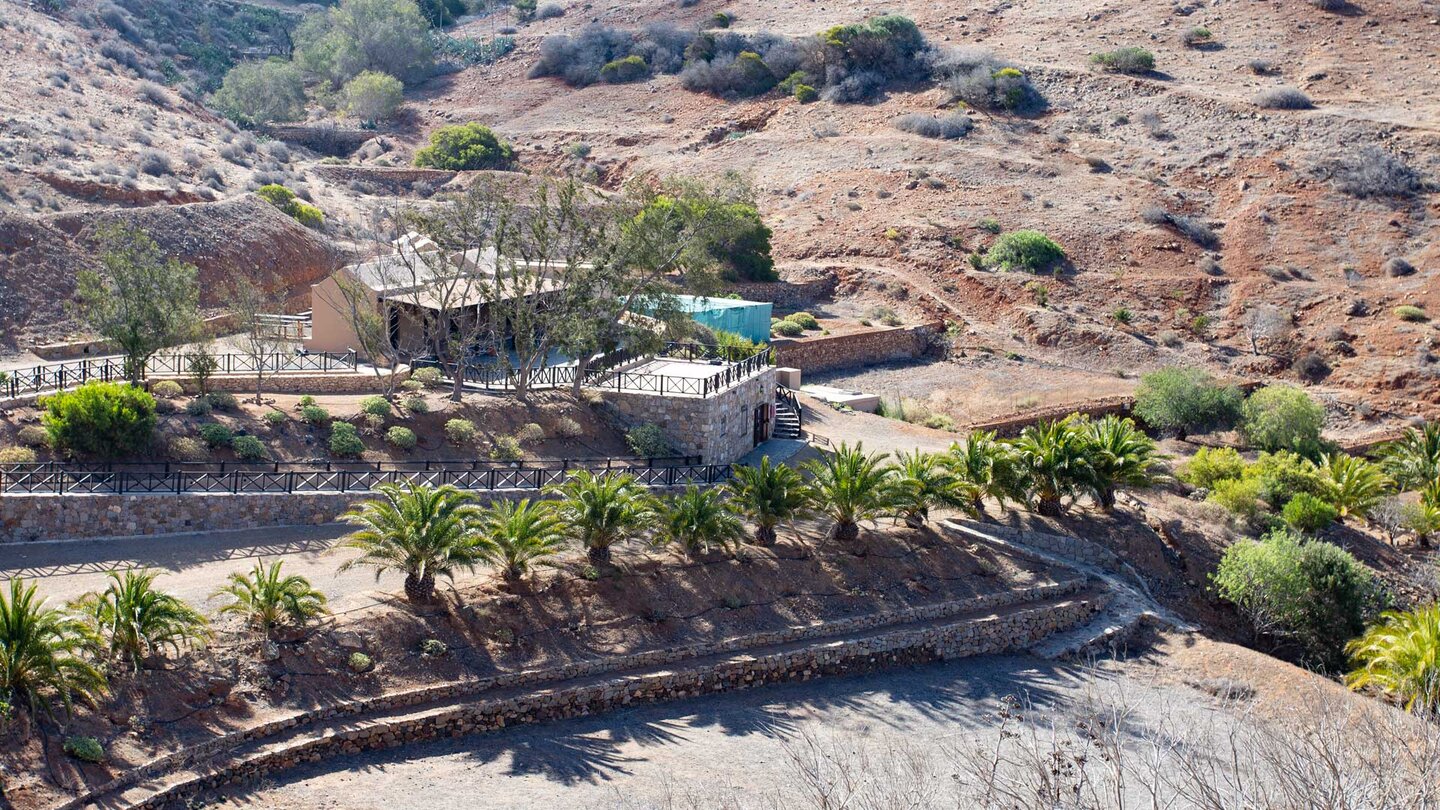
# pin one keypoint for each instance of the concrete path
(192, 566)
(876, 432)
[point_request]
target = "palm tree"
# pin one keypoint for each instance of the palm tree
(699, 519)
(1400, 656)
(1120, 454)
(266, 599)
(1053, 461)
(989, 465)
(517, 534)
(138, 620)
(851, 486)
(768, 495)
(925, 481)
(1414, 459)
(43, 654)
(1358, 484)
(602, 511)
(418, 530)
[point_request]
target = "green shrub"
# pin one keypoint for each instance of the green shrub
(186, 448)
(568, 428)
(249, 448)
(360, 663)
(463, 147)
(1412, 314)
(805, 319)
(1308, 513)
(1185, 401)
(1311, 596)
(648, 441)
(390, 36)
(433, 648)
(262, 91)
(216, 434)
(721, 19)
(1122, 315)
(100, 419)
(16, 455)
(788, 329)
(1284, 475)
(428, 376)
(297, 209)
(1031, 251)
(345, 441)
(1212, 465)
(168, 389)
(33, 436)
(85, 749)
(412, 386)
(805, 94)
(373, 96)
(377, 406)
(314, 415)
(417, 405)
(275, 418)
(1199, 35)
(630, 68)
(305, 401)
(1280, 417)
(530, 433)
(1125, 60)
(1239, 496)
(506, 448)
(222, 400)
(460, 431)
(401, 437)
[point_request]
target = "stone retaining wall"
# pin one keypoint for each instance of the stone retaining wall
(719, 428)
(581, 669)
(901, 647)
(798, 288)
(816, 354)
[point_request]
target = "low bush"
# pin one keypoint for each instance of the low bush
(401, 437)
(464, 147)
(1308, 514)
(1197, 36)
(377, 406)
(805, 319)
(1031, 251)
(980, 80)
(222, 400)
(428, 376)
(1280, 417)
(648, 441)
(1413, 314)
(249, 448)
(1312, 366)
(948, 127)
(1211, 465)
(345, 441)
(506, 448)
(805, 94)
(85, 749)
(460, 431)
(360, 663)
(579, 58)
(1283, 98)
(568, 428)
(787, 329)
(630, 68)
(314, 415)
(305, 399)
(199, 406)
(1239, 496)
(1284, 475)
(187, 448)
(275, 418)
(16, 455)
(169, 389)
(107, 420)
(216, 434)
(1397, 267)
(1373, 172)
(292, 206)
(530, 433)
(433, 648)
(416, 405)
(1131, 60)
(33, 436)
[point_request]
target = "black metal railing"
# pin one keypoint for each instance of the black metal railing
(289, 479)
(788, 397)
(59, 376)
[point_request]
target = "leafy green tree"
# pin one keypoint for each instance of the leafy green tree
(1185, 401)
(1030, 251)
(1357, 484)
(389, 36)
(44, 654)
(698, 520)
(137, 621)
(462, 147)
(1414, 460)
(373, 96)
(1308, 514)
(285, 199)
(138, 299)
(1281, 417)
(519, 534)
(265, 598)
(988, 464)
(1310, 596)
(262, 92)
(1120, 455)
(603, 511)
(926, 481)
(768, 495)
(851, 486)
(419, 531)
(106, 420)
(1053, 460)
(1400, 657)
(713, 225)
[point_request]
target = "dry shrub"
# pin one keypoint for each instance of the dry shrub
(1283, 98)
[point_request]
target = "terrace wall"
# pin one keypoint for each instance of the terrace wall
(719, 428)
(816, 354)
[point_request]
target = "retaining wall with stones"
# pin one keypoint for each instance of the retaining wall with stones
(816, 354)
(813, 656)
(719, 428)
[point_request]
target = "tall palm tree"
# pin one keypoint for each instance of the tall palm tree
(1053, 461)
(925, 481)
(518, 534)
(1120, 454)
(267, 599)
(602, 511)
(1400, 656)
(44, 654)
(851, 486)
(137, 620)
(989, 465)
(699, 519)
(1414, 459)
(418, 530)
(1358, 484)
(768, 495)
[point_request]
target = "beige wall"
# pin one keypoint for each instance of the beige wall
(332, 329)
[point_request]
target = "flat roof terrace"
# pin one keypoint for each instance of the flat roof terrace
(679, 376)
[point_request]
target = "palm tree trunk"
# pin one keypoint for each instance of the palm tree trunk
(764, 535)
(1106, 498)
(846, 531)
(419, 589)
(599, 555)
(1049, 507)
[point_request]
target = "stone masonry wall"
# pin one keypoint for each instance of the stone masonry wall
(906, 646)
(817, 354)
(719, 428)
(26, 518)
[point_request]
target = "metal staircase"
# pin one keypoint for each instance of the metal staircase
(788, 415)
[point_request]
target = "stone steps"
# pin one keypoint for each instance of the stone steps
(971, 632)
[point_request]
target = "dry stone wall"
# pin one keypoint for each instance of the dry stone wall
(27, 518)
(718, 428)
(816, 354)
